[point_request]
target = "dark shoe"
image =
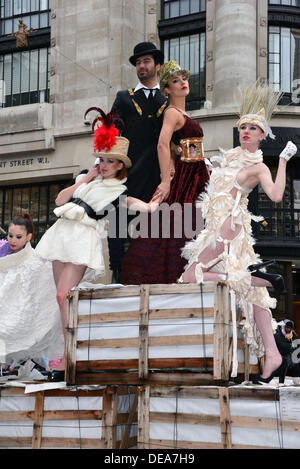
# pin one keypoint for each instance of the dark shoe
(280, 371)
(276, 280)
(55, 376)
(262, 265)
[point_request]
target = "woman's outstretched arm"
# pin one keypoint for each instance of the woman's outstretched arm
(275, 190)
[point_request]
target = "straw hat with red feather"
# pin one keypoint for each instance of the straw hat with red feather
(107, 141)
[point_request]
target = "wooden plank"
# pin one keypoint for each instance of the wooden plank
(176, 313)
(132, 378)
(194, 392)
(218, 333)
(19, 416)
(38, 420)
(265, 423)
(71, 345)
(109, 417)
(261, 394)
(165, 341)
(155, 289)
(73, 414)
(69, 443)
(101, 318)
(17, 442)
(187, 419)
(143, 417)
(98, 293)
(143, 331)
(131, 417)
(225, 420)
(247, 362)
(8, 416)
(153, 363)
(227, 356)
(169, 444)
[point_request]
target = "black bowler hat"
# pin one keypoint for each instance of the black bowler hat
(145, 48)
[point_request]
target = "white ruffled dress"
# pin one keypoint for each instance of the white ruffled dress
(29, 314)
(77, 238)
(217, 205)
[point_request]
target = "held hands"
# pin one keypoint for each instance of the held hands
(289, 151)
(161, 193)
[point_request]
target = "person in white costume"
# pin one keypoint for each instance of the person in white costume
(74, 242)
(223, 251)
(29, 315)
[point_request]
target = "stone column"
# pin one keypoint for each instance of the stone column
(235, 48)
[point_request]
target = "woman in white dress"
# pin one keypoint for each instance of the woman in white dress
(74, 242)
(223, 251)
(29, 314)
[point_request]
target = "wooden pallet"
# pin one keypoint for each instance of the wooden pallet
(210, 314)
(63, 418)
(213, 418)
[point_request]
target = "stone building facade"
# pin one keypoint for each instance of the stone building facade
(44, 140)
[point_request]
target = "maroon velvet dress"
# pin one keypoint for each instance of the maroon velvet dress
(158, 259)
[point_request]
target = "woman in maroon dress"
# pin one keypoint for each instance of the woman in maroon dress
(184, 175)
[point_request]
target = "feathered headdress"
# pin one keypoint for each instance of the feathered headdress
(107, 140)
(257, 104)
(106, 134)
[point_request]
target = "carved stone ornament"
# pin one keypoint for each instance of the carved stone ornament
(21, 35)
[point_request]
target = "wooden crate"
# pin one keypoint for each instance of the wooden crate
(93, 418)
(163, 334)
(188, 417)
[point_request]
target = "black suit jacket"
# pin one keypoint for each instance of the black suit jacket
(142, 125)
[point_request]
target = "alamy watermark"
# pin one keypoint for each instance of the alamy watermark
(296, 352)
(168, 221)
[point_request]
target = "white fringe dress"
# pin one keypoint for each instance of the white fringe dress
(217, 205)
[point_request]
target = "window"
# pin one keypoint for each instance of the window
(24, 69)
(283, 219)
(189, 52)
(26, 77)
(284, 48)
(284, 58)
(35, 14)
(182, 33)
(175, 8)
(36, 199)
(295, 3)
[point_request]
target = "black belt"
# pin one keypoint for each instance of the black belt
(89, 211)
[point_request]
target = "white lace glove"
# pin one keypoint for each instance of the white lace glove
(289, 151)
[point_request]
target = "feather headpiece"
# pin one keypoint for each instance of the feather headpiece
(257, 104)
(107, 140)
(105, 135)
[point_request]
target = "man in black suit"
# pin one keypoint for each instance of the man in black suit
(141, 110)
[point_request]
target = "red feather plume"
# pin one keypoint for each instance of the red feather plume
(105, 135)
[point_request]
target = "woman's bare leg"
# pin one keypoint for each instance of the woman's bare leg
(210, 253)
(273, 360)
(66, 277)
